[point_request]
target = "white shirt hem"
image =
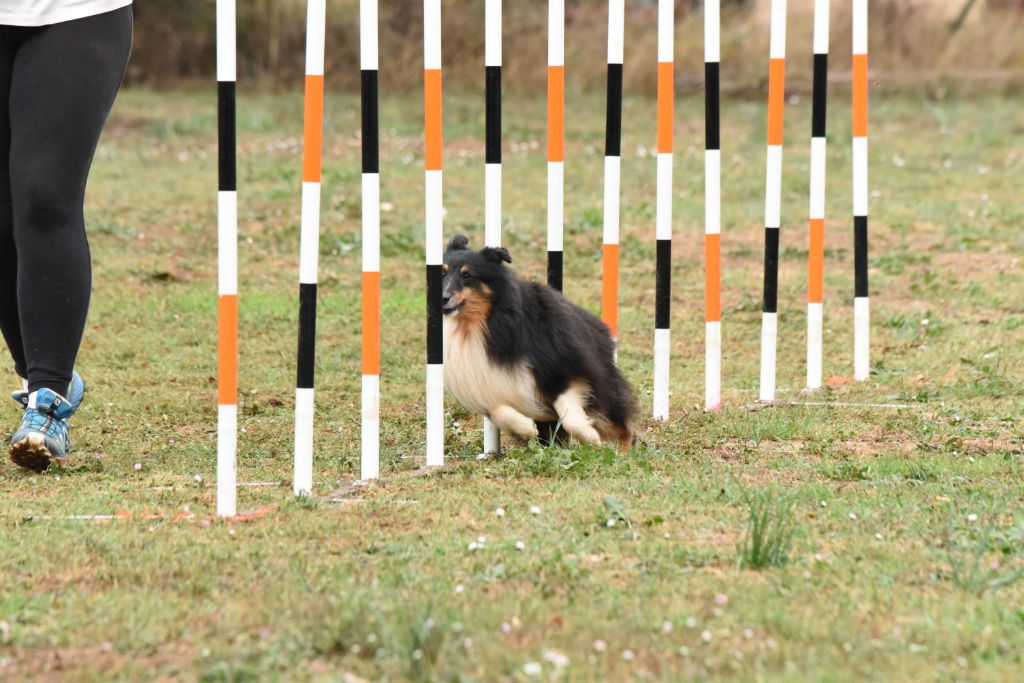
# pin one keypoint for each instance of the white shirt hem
(60, 16)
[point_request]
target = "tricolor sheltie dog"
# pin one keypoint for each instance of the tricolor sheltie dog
(522, 355)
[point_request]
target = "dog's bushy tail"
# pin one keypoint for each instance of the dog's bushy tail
(618, 408)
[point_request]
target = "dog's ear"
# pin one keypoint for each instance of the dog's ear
(457, 243)
(496, 254)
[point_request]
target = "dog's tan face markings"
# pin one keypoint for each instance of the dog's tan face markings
(475, 307)
(444, 267)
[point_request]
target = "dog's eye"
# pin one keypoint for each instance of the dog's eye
(466, 275)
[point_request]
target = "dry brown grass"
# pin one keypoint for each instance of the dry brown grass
(913, 44)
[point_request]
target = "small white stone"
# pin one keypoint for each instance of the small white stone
(705, 635)
(853, 515)
(878, 536)
(823, 504)
(610, 522)
(972, 517)
(138, 467)
(534, 510)
(500, 512)
(532, 669)
(520, 545)
(600, 645)
(459, 588)
(198, 478)
(667, 627)
(628, 655)
(691, 622)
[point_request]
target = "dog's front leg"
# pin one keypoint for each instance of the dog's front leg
(510, 420)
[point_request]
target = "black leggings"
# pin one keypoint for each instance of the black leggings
(57, 84)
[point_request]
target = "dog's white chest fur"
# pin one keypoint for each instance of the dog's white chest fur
(482, 386)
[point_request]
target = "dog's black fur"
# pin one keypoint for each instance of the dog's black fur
(532, 324)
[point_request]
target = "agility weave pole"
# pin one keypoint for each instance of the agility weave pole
(663, 219)
(309, 244)
(612, 170)
(816, 227)
(227, 265)
(434, 216)
(861, 310)
(492, 158)
(773, 198)
(556, 141)
(369, 461)
(712, 210)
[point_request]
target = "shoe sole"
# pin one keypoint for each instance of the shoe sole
(31, 453)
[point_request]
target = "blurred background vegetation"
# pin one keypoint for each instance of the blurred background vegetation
(930, 47)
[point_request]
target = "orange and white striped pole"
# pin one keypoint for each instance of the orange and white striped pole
(861, 310)
(369, 461)
(434, 213)
(556, 140)
(773, 198)
(309, 245)
(712, 210)
(816, 244)
(612, 170)
(227, 265)
(663, 214)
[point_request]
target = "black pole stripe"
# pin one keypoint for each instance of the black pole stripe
(369, 95)
(663, 285)
(771, 270)
(555, 269)
(860, 255)
(613, 129)
(820, 95)
(226, 136)
(712, 126)
(307, 335)
(492, 87)
(435, 332)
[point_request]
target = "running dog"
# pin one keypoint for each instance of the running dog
(521, 354)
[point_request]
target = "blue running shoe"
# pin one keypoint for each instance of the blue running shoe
(76, 391)
(43, 435)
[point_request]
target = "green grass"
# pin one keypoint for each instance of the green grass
(889, 574)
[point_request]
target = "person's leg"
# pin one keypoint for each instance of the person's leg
(63, 83)
(10, 325)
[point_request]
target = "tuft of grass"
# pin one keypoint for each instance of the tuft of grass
(984, 557)
(770, 527)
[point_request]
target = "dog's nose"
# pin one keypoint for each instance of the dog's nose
(445, 301)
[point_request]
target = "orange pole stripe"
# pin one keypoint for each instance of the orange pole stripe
(666, 96)
(371, 323)
(227, 350)
(860, 96)
(610, 288)
(712, 278)
(313, 129)
(432, 117)
(816, 262)
(776, 99)
(556, 113)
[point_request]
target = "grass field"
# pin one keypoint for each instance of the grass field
(905, 524)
